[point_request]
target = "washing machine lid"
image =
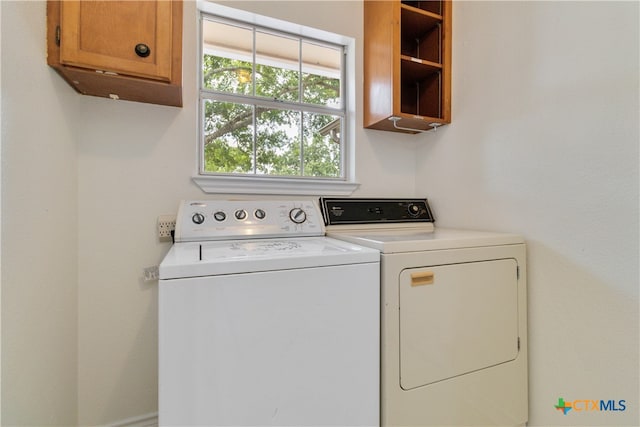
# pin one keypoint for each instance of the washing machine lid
(419, 239)
(212, 258)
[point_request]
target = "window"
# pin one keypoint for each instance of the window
(274, 106)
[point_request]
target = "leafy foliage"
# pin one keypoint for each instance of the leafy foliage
(247, 138)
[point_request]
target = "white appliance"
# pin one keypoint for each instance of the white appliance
(454, 314)
(263, 321)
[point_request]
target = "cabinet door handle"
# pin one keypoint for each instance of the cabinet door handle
(142, 50)
(423, 278)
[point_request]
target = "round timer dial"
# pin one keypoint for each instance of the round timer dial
(297, 215)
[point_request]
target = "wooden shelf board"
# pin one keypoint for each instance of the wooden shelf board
(417, 69)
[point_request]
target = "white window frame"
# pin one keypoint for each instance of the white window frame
(261, 184)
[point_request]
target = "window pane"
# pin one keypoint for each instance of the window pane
(228, 137)
(322, 135)
(227, 63)
(277, 67)
(321, 73)
(277, 142)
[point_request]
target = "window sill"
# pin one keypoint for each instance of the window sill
(279, 186)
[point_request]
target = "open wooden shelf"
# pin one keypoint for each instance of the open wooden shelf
(414, 37)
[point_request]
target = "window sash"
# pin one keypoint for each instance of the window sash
(251, 56)
(302, 163)
(265, 102)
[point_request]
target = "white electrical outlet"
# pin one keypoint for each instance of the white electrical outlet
(166, 224)
(151, 273)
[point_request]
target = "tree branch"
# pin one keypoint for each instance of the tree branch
(238, 122)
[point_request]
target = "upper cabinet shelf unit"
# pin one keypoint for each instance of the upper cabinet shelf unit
(128, 50)
(407, 65)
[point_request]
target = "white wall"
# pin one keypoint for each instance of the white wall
(544, 142)
(39, 234)
(0, 217)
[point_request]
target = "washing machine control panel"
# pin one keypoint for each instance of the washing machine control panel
(231, 219)
(374, 211)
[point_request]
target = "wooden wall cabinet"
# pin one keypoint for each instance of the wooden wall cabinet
(407, 65)
(128, 50)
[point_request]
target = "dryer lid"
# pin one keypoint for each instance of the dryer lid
(416, 239)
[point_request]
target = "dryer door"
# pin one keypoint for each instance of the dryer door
(456, 319)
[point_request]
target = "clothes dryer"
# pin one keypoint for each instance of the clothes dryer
(453, 314)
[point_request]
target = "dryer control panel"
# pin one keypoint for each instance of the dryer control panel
(374, 211)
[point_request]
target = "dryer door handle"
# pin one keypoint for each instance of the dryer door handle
(422, 278)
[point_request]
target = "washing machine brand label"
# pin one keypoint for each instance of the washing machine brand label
(586, 405)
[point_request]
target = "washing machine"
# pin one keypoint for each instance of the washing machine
(264, 321)
(453, 314)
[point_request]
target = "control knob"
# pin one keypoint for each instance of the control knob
(219, 216)
(298, 215)
(414, 210)
(240, 214)
(197, 218)
(260, 214)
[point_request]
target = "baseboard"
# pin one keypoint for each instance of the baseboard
(147, 420)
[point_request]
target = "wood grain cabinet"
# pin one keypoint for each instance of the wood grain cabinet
(128, 50)
(407, 65)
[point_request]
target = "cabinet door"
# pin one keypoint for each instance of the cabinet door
(103, 35)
